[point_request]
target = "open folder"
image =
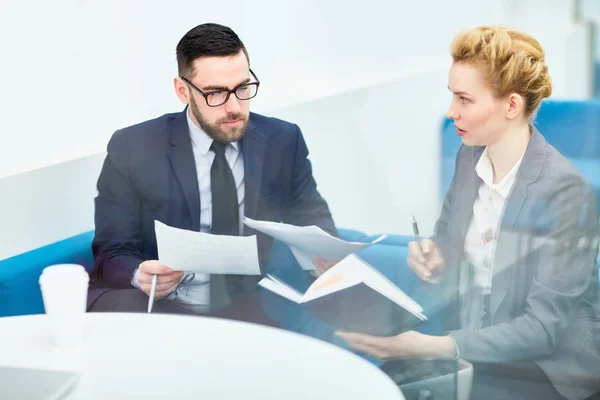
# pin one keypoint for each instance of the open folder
(353, 296)
(309, 241)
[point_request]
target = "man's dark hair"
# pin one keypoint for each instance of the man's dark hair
(206, 40)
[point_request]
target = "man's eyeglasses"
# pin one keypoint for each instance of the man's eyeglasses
(220, 97)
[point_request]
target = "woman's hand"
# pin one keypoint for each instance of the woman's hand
(322, 265)
(425, 259)
(411, 344)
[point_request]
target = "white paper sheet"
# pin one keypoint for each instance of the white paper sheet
(309, 241)
(303, 258)
(190, 251)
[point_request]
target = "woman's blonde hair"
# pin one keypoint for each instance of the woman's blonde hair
(511, 61)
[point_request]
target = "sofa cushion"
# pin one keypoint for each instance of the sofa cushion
(19, 288)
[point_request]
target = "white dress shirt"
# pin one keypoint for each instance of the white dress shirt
(194, 290)
(480, 241)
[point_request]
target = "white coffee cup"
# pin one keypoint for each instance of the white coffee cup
(64, 290)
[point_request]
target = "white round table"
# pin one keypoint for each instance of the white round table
(153, 356)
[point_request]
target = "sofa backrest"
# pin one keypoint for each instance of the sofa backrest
(19, 288)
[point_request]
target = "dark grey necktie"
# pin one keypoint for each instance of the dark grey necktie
(225, 217)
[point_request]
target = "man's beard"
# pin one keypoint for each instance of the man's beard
(217, 131)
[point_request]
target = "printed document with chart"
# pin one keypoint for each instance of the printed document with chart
(355, 297)
(191, 251)
(309, 241)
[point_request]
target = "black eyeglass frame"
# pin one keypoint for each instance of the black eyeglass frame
(229, 92)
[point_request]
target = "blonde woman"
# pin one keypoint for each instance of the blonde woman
(516, 240)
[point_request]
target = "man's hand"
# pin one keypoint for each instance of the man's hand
(425, 259)
(322, 265)
(167, 279)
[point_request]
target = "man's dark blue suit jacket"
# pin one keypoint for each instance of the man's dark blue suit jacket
(150, 173)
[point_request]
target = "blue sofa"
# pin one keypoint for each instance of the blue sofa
(19, 288)
(20, 293)
(597, 80)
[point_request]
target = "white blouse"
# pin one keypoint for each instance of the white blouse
(480, 241)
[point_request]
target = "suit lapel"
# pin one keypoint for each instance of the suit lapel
(465, 196)
(253, 145)
(516, 225)
(508, 246)
(467, 186)
(182, 160)
(469, 191)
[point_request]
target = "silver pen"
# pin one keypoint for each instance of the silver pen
(152, 293)
(416, 230)
(432, 279)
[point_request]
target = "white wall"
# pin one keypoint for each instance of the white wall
(566, 40)
(375, 157)
(47, 205)
(590, 11)
(78, 70)
(366, 83)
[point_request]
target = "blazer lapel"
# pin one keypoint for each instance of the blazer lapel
(460, 213)
(515, 225)
(182, 160)
(508, 246)
(465, 197)
(253, 145)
